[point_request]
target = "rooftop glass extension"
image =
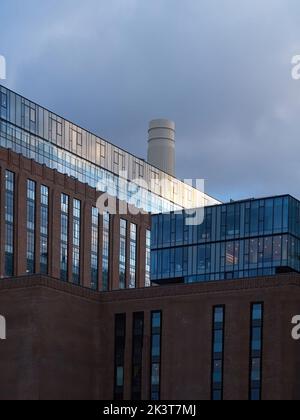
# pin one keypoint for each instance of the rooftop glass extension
(241, 239)
(39, 134)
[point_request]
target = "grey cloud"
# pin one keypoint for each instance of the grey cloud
(220, 68)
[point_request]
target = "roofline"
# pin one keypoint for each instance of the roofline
(101, 138)
(245, 200)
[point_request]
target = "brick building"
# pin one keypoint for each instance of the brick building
(82, 320)
(61, 340)
(24, 171)
(52, 174)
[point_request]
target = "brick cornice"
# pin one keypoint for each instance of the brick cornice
(224, 287)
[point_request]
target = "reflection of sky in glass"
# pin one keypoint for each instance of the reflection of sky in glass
(64, 162)
(51, 140)
(249, 238)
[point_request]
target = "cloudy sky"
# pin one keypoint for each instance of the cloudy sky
(220, 68)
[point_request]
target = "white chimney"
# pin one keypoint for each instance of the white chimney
(161, 145)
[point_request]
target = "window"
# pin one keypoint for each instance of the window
(76, 139)
(139, 169)
(256, 346)
(268, 251)
(55, 127)
(156, 330)
(155, 183)
(95, 248)
(100, 151)
(148, 259)
(30, 255)
(217, 353)
(3, 99)
(133, 250)
(9, 222)
(253, 257)
(122, 262)
(64, 238)
(73, 136)
(76, 241)
(29, 116)
(79, 139)
(119, 161)
(268, 217)
(3, 105)
(277, 251)
(32, 115)
(44, 233)
(230, 222)
(278, 207)
(116, 158)
(175, 188)
(105, 251)
(59, 128)
(137, 356)
(166, 229)
(120, 341)
(254, 216)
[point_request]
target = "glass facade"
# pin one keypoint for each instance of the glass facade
(38, 134)
(105, 251)
(133, 255)
(30, 206)
(148, 259)
(256, 346)
(137, 356)
(156, 329)
(64, 237)
(44, 229)
(95, 249)
(243, 239)
(122, 261)
(9, 222)
(217, 353)
(120, 341)
(76, 241)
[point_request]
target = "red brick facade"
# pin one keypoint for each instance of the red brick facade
(57, 183)
(60, 338)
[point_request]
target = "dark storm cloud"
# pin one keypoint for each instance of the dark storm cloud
(220, 68)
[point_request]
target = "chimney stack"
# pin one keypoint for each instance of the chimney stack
(161, 145)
